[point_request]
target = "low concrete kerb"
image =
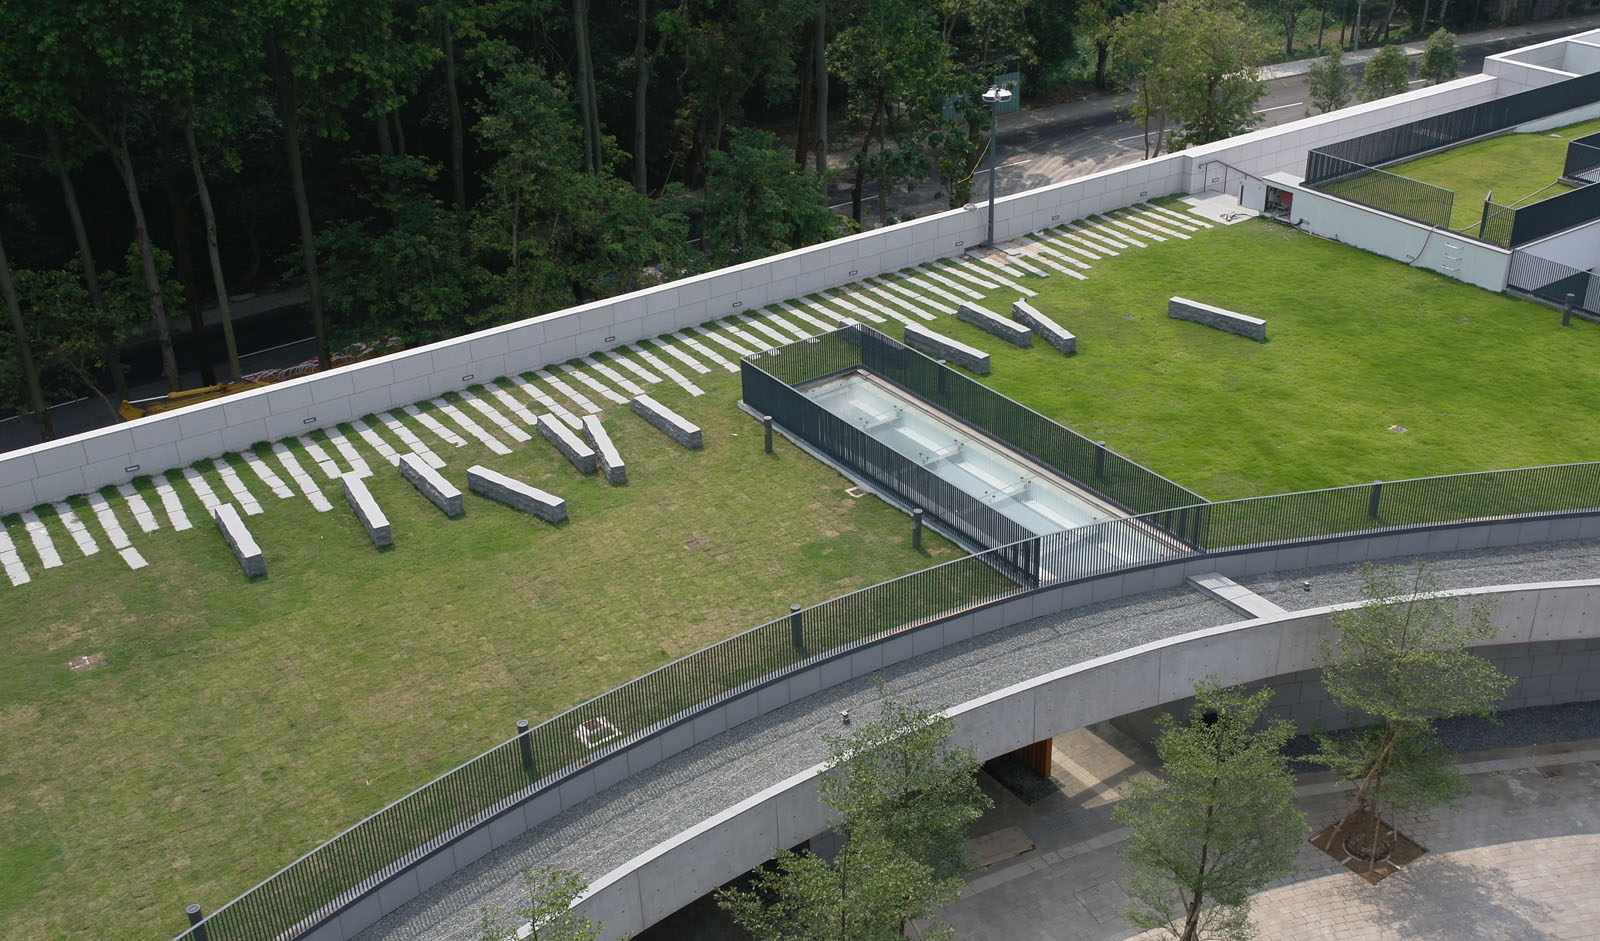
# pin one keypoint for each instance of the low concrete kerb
(668, 422)
(240, 542)
(367, 511)
(431, 484)
(516, 494)
(942, 347)
(1053, 333)
(1181, 308)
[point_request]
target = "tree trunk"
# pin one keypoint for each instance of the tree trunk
(211, 244)
(861, 163)
(1387, 19)
(30, 375)
(593, 159)
(802, 130)
(399, 133)
(91, 274)
(152, 280)
(380, 122)
(1363, 795)
(1102, 59)
(458, 169)
(821, 84)
(1322, 22)
(641, 89)
(289, 105)
(181, 251)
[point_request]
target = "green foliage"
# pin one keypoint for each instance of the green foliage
(1387, 73)
(758, 202)
(905, 799)
(549, 914)
(1330, 85)
(1402, 658)
(1219, 825)
(1440, 60)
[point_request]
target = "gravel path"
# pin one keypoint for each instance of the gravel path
(612, 827)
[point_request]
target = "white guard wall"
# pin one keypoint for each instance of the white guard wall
(1411, 242)
(1575, 248)
(675, 873)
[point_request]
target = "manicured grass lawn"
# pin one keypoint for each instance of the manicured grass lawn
(1358, 343)
(1518, 168)
(237, 724)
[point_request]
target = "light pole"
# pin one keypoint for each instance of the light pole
(1356, 45)
(994, 97)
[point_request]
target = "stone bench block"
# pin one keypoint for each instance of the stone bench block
(606, 454)
(669, 422)
(940, 346)
(367, 510)
(570, 445)
(1182, 308)
(1052, 332)
(995, 324)
(244, 547)
(440, 492)
(516, 494)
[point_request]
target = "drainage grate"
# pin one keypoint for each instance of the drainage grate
(82, 663)
(596, 732)
(855, 492)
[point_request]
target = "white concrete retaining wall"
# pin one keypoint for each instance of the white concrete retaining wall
(1393, 237)
(675, 873)
(1576, 248)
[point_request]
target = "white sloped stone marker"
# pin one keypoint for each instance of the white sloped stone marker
(626, 362)
(202, 489)
(495, 417)
(599, 387)
(171, 503)
(409, 439)
(268, 476)
(42, 543)
(465, 423)
(375, 441)
(230, 479)
(114, 532)
(440, 492)
(323, 460)
(667, 370)
(75, 528)
(240, 542)
(15, 570)
(303, 480)
(358, 464)
(822, 326)
(628, 385)
(437, 427)
(142, 514)
(548, 401)
(694, 343)
(582, 401)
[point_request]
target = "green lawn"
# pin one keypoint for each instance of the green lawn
(237, 724)
(1358, 343)
(1518, 168)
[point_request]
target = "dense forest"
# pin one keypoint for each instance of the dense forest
(421, 168)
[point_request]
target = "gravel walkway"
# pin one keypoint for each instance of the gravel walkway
(618, 824)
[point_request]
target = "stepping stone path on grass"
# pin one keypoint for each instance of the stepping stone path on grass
(893, 285)
(142, 514)
(1000, 266)
(202, 489)
(689, 340)
(39, 533)
(298, 474)
(434, 425)
(262, 470)
(358, 464)
(1004, 257)
(1074, 242)
(230, 479)
(171, 503)
(495, 417)
(12, 562)
(314, 451)
(626, 362)
(1105, 234)
(470, 427)
(777, 335)
(603, 390)
(1153, 224)
(585, 406)
(376, 442)
(681, 356)
(805, 317)
(962, 272)
(113, 528)
(724, 342)
(75, 528)
(891, 297)
(666, 370)
(543, 398)
(514, 406)
(1120, 225)
(1038, 255)
(824, 312)
(734, 331)
(627, 385)
(410, 440)
(1189, 219)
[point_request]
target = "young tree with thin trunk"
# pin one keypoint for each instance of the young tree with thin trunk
(1387, 73)
(1401, 659)
(548, 912)
(1330, 84)
(1220, 823)
(1440, 60)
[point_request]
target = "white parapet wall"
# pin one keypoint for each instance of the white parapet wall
(671, 875)
(81, 463)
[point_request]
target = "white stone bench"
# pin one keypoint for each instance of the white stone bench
(440, 492)
(1182, 308)
(669, 422)
(1052, 332)
(516, 494)
(570, 445)
(244, 547)
(605, 452)
(995, 324)
(940, 346)
(367, 510)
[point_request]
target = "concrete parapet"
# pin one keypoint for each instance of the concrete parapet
(669, 422)
(942, 347)
(367, 510)
(995, 324)
(1181, 308)
(440, 492)
(238, 537)
(516, 494)
(570, 445)
(606, 454)
(1052, 332)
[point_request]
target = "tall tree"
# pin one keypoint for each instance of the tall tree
(588, 107)
(1330, 84)
(757, 202)
(1440, 60)
(1220, 823)
(1401, 658)
(24, 347)
(72, 333)
(1387, 73)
